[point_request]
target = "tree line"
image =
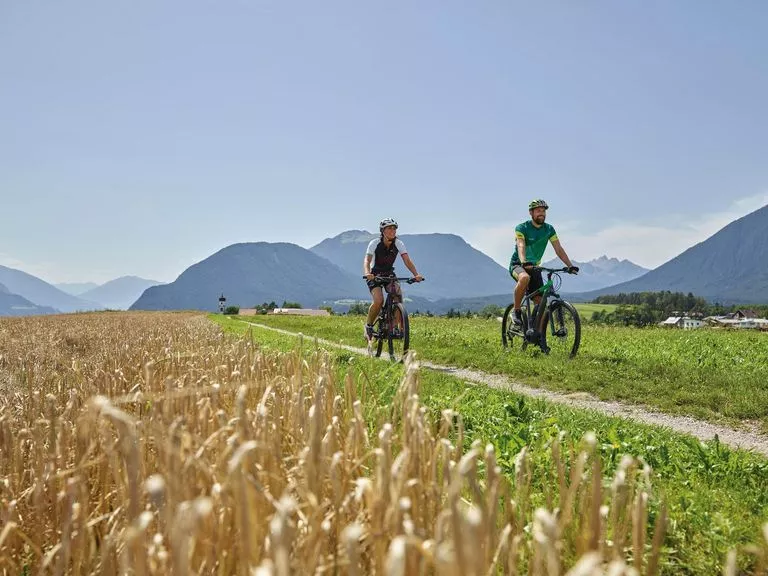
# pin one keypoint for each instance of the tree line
(649, 308)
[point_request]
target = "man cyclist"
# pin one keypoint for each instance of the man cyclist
(379, 260)
(531, 239)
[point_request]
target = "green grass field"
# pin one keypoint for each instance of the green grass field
(717, 497)
(708, 374)
(586, 310)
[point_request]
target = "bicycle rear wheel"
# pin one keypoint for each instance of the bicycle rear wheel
(511, 336)
(399, 338)
(561, 329)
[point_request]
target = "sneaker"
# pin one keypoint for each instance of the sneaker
(517, 319)
(368, 332)
(515, 327)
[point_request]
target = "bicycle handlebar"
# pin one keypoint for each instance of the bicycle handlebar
(387, 279)
(550, 270)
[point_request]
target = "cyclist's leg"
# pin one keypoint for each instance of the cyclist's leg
(534, 284)
(377, 300)
(522, 278)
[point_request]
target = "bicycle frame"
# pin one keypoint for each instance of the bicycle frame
(386, 312)
(388, 327)
(548, 295)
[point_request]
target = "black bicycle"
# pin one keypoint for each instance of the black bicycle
(391, 325)
(553, 325)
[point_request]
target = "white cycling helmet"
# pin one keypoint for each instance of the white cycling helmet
(387, 222)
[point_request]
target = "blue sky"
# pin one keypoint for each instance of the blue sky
(140, 137)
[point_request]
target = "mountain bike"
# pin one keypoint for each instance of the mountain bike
(392, 322)
(553, 325)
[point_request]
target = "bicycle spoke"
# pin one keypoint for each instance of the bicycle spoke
(399, 336)
(379, 335)
(513, 336)
(562, 329)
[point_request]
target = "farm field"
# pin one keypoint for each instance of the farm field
(684, 470)
(161, 443)
(708, 374)
(586, 310)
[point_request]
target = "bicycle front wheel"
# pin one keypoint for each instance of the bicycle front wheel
(399, 333)
(379, 335)
(512, 336)
(561, 329)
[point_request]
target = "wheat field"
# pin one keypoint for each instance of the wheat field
(151, 443)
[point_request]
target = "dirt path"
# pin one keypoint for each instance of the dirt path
(743, 439)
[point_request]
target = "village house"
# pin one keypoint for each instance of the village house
(745, 314)
(296, 311)
(684, 322)
(744, 318)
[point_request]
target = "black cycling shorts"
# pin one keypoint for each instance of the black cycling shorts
(536, 281)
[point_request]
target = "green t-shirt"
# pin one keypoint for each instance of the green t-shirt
(535, 242)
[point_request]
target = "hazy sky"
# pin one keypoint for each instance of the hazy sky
(140, 137)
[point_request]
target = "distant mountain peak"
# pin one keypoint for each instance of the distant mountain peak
(249, 273)
(121, 292)
(723, 268)
(611, 259)
(76, 288)
(14, 305)
(44, 295)
(355, 236)
(452, 267)
(599, 272)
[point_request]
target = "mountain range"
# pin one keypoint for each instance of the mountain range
(598, 273)
(330, 274)
(120, 293)
(452, 267)
(76, 288)
(15, 305)
(25, 294)
(251, 273)
(457, 270)
(725, 268)
(728, 267)
(41, 293)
